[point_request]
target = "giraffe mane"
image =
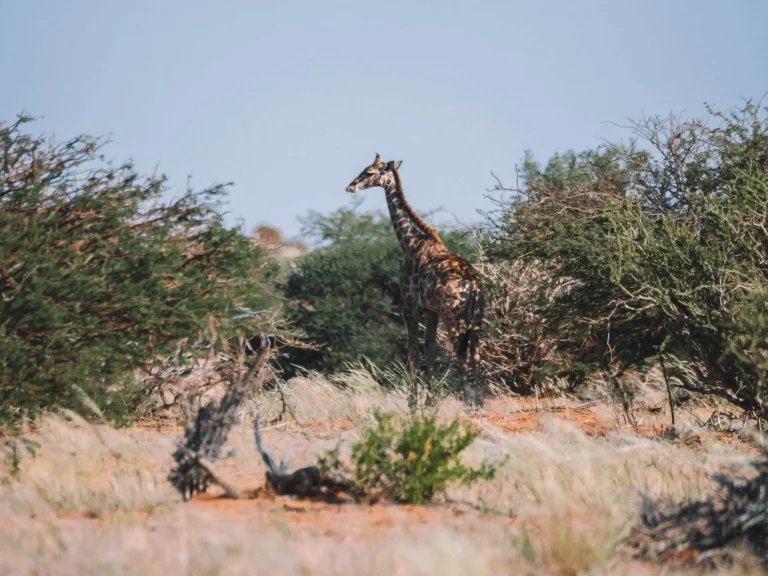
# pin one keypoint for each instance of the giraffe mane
(426, 228)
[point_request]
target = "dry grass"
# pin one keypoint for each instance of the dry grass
(92, 500)
(67, 464)
(576, 497)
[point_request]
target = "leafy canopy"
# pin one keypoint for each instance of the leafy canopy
(666, 247)
(98, 276)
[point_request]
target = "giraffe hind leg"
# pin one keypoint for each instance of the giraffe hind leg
(461, 347)
(475, 374)
(468, 355)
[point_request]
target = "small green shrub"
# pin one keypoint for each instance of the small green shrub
(413, 463)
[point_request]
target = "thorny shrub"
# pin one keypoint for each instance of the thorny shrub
(519, 352)
(99, 277)
(667, 247)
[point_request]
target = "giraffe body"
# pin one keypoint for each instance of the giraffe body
(435, 283)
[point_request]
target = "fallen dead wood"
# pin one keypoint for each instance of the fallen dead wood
(215, 476)
(206, 434)
(307, 482)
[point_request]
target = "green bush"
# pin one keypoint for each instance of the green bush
(99, 277)
(412, 464)
(665, 250)
(345, 294)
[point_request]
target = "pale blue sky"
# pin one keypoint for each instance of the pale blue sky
(290, 100)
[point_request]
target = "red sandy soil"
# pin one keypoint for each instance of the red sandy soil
(350, 522)
(343, 520)
(338, 521)
(529, 420)
(513, 415)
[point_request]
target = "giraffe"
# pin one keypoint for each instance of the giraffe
(434, 283)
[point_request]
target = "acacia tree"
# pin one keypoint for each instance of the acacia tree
(98, 275)
(667, 247)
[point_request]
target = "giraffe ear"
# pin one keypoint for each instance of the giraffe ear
(377, 162)
(397, 164)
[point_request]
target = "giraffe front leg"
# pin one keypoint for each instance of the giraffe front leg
(430, 351)
(411, 315)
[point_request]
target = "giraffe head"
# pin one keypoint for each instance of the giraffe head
(377, 174)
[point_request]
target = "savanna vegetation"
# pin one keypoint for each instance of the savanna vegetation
(637, 262)
(601, 261)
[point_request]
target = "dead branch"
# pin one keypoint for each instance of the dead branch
(516, 335)
(307, 482)
(215, 476)
(205, 436)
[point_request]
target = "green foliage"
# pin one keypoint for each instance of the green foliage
(98, 277)
(414, 463)
(667, 249)
(345, 294)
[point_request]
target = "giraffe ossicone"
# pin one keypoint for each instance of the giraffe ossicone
(435, 283)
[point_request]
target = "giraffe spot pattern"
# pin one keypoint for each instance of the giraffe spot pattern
(434, 280)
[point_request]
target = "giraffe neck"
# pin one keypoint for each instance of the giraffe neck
(412, 232)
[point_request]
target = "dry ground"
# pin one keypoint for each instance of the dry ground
(76, 498)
